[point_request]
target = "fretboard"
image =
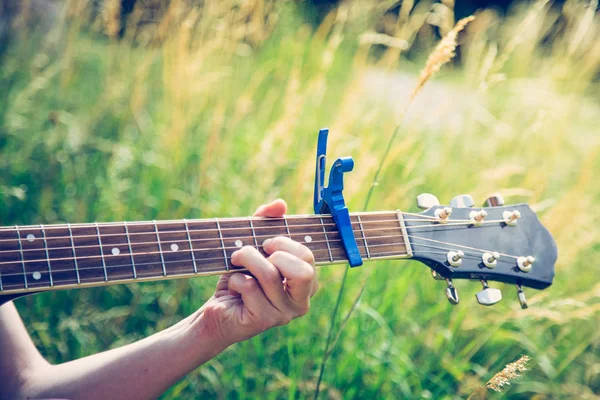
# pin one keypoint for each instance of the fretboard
(47, 257)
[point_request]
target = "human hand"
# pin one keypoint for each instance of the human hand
(278, 290)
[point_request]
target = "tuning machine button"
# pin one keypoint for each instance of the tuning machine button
(494, 201)
(521, 296)
(462, 201)
(488, 296)
(451, 293)
(426, 200)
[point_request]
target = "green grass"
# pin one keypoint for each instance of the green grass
(202, 124)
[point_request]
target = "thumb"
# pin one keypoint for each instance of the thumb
(273, 209)
(252, 295)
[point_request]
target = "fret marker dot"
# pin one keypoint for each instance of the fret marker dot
(307, 239)
(239, 243)
(115, 251)
(174, 247)
(31, 237)
(36, 275)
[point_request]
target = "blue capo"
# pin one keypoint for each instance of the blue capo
(330, 199)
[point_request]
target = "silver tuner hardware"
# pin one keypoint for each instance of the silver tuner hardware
(477, 217)
(451, 293)
(488, 296)
(525, 263)
(443, 214)
(490, 260)
(494, 201)
(426, 200)
(511, 217)
(455, 258)
(436, 276)
(462, 201)
(521, 296)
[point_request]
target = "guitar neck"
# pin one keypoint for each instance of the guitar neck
(51, 257)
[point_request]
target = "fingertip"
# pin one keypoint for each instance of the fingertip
(274, 209)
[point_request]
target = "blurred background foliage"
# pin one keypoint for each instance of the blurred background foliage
(204, 109)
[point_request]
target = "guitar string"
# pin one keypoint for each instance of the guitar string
(173, 241)
(206, 259)
(223, 220)
(218, 248)
(105, 235)
(127, 277)
(462, 246)
(222, 248)
(165, 233)
(133, 224)
(316, 250)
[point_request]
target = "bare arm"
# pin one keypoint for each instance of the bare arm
(278, 290)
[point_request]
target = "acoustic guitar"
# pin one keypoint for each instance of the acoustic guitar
(504, 243)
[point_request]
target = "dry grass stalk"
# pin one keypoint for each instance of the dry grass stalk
(442, 54)
(510, 372)
(501, 379)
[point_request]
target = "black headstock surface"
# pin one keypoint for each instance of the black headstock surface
(432, 239)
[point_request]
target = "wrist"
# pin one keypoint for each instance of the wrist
(201, 334)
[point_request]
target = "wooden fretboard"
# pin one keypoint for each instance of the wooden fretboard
(48, 257)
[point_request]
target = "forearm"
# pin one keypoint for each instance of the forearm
(141, 370)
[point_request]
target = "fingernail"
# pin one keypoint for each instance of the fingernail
(266, 242)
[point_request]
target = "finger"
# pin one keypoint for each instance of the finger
(282, 243)
(274, 209)
(267, 274)
(299, 276)
(252, 295)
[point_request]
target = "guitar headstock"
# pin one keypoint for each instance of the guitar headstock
(493, 243)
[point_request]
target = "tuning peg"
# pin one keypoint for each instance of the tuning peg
(488, 296)
(494, 201)
(451, 293)
(426, 201)
(462, 201)
(521, 296)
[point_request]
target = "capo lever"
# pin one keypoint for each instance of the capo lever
(330, 199)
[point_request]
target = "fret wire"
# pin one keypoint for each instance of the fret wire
(74, 254)
(22, 255)
(224, 248)
(362, 231)
(187, 230)
(253, 233)
(258, 227)
(47, 254)
(222, 244)
(162, 259)
(327, 241)
(287, 228)
(101, 251)
(388, 253)
(130, 250)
